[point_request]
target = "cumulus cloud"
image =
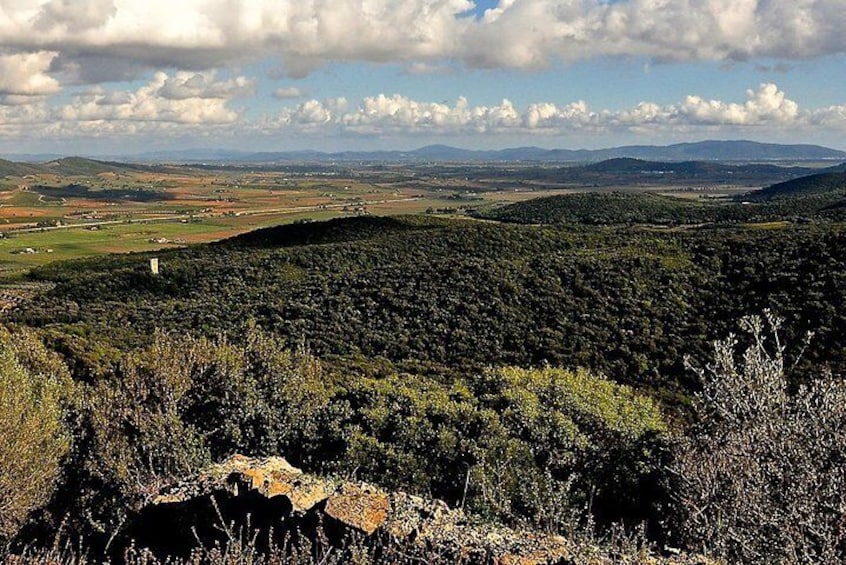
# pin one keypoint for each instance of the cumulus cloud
(420, 34)
(398, 113)
(184, 85)
(765, 107)
(186, 103)
(185, 98)
(73, 16)
(25, 74)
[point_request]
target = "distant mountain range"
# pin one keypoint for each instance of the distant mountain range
(682, 160)
(700, 151)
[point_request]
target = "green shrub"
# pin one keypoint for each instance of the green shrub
(520, 445)
(592, 443)
(408, 431)
(523, 445)
(182, 402)
(34, 391)
(138, 437)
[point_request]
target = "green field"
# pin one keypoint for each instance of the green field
(73, 243)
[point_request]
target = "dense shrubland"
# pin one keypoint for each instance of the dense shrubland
(443, 358)
(523, 446)
(757, 477)
(819, 197)
(604, 208)
(439, 296)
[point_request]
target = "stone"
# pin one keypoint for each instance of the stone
(364, 507)
(282, 496)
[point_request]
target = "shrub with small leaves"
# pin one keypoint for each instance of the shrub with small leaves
(762, 479)
(35, 389)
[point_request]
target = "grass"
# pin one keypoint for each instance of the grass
(124, 238)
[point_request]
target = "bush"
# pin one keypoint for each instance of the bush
(532, 446)
(182, 402)
(135, 418)
(523, 445)
(762, 479)
(412, 432)
(591, 443)
(34, 390)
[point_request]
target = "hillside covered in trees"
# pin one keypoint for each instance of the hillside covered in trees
(539, 377)
(819, 197)
(455, 294)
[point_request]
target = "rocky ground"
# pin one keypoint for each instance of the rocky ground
(273, 499)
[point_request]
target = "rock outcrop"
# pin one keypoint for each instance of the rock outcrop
(270, 496)
(279, 496)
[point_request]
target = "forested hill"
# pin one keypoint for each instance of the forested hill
(79, 166)
(821, 196)
(609, 208)
(70, 166)
(439, 295)
(10, 168)
(831, 185)
(603, 208)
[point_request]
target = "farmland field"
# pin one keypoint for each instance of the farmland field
(82, 208)
(45, 218)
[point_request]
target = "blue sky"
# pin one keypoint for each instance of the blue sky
(122, 76)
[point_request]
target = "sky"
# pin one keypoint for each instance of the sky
(109, 77)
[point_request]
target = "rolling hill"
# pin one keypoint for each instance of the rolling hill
(79, 166)
(12, 169)
(830, 185)
(603, 208)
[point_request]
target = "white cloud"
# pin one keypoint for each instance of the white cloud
(401, 114)
(311, 115)
(195, 104)
(74, 16)
(765, 107)
(26, 74)
(184, 85)
(123, 37)
(830, 117)
(181, 99)
(288, 93)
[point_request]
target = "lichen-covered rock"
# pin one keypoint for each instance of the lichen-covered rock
(353, 507)
(415, 516)
(269, 477)
(279, 497)
(362, 507)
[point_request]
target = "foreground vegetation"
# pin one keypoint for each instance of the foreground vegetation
(755, 479)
